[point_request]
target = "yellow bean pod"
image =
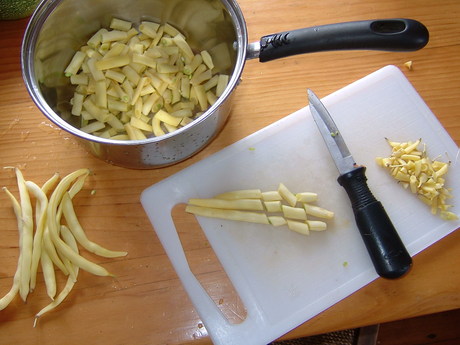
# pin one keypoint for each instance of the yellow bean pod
(80, 236)
(27, 235)
(69, 239)
(6, 300)
(42, 204)
(53, 227)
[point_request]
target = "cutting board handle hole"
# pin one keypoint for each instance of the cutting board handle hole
(206, 267)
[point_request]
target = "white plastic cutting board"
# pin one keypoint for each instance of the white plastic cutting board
(284, 278)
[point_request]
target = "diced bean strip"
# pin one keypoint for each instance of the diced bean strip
(116, 49)
(294, 212)
(163, 116)
(145, 60)
(75, 64)
(119, 24)
(101, 94)
(135, 122)
(112, 62)
(70, 241)
(198, 71)
(300, 227)
(169, 128)
(271, 196)
(185, 121)
(77, 105)
(147, 90)
(158, 37)
(317, 211)
(182, 113)
(189, 69)
(273, 206)
(131, 74)
(185, 87)
(211, 98)
(6, 300)
(120, 137)
(222, 83)
(122, 94)
(133, 132)
(92, 54)
(96, 39)
(114, 106)
(101, 115)
(167, 68)
(316, 225)
(27, 235)
(114, 35)
(211, 83)
(79, 79)
(183, 46)
(80, 236)
(115, 75)
(201, 77)
(244, 216)
(96, 73)
(93, 127)
(137, 93)
(287, 195)
(149, 28)
(277, 220)
(306, 197)
(170, 30)
(207, 59)
(156, 126)
(201, 96)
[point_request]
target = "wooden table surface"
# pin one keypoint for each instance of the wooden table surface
(145, 303)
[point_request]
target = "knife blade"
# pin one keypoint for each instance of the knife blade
(386, 249)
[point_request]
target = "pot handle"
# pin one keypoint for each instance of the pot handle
(381, 34)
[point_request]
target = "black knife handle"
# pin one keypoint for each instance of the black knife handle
(387, 251)
(383, 34)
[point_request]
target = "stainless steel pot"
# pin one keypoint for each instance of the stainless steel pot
(60, 27)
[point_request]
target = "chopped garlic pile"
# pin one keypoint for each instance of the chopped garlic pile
(422, 175)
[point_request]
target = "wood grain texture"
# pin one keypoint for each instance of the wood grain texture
(440, 328)
(145, 303)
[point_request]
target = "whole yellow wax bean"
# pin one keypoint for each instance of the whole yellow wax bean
(27, 235)
(80, 236)
(6, 300)
(61, 246)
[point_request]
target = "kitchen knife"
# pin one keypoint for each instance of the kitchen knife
(387, 251)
